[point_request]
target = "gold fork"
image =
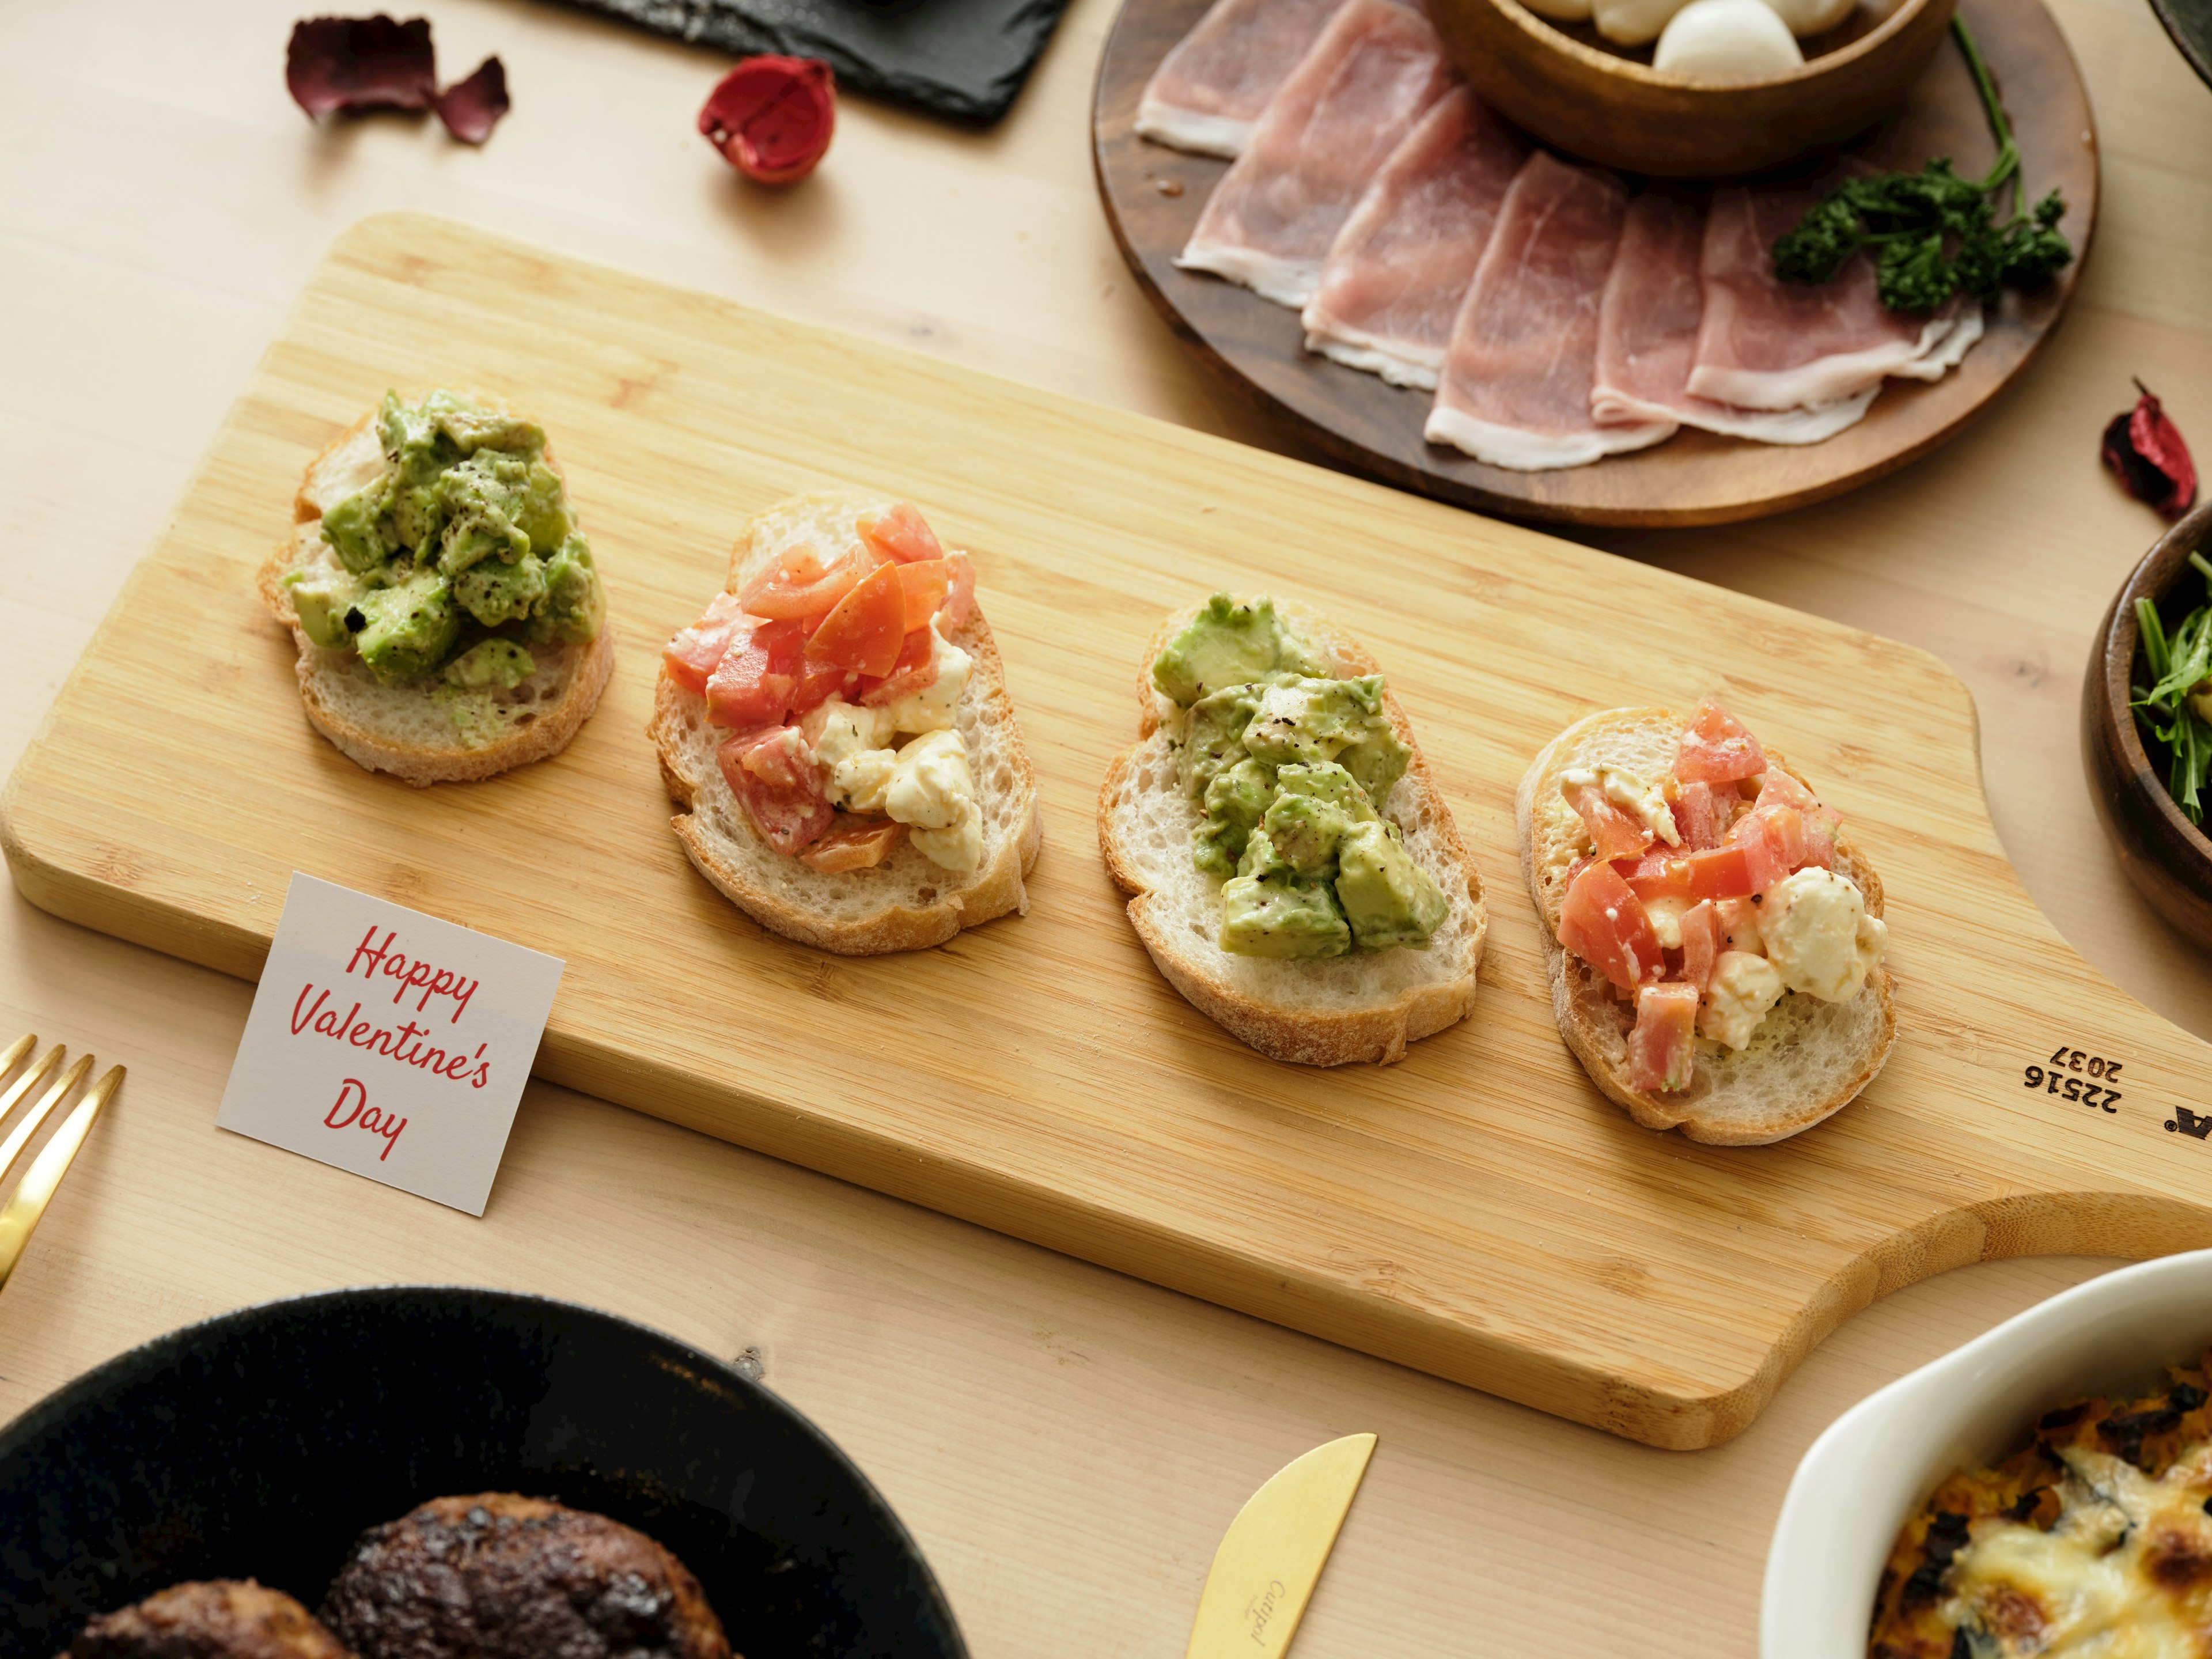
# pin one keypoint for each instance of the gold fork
(23, 1210)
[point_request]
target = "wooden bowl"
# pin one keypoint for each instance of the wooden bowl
(2168, 858)
(1594, 103)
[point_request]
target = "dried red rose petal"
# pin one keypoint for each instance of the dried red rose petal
(772, 116)
(361, 62)
(471, 108)
(2145, 450)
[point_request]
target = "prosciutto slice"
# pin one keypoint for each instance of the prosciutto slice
(1375, 71)
(1401, 266)
(1213, 84)
(1765, 343)
(1647, 336)
(1516, 391)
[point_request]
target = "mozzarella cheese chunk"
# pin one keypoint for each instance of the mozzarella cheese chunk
(1819, 936)
(1641, 800)
(1739, 920)
(849, 739)
(930, 709)
(1727, 40)
(1744, 986)
(933, 790)
(1666, 915)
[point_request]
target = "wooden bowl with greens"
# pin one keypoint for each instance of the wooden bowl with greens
(2146, 736)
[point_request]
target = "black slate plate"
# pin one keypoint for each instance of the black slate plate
(965, 58)
(2189, 23)
(259, 1444)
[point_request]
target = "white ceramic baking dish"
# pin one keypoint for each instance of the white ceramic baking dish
(1883, 1456)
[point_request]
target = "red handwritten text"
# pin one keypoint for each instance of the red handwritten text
(353, 1102)
(413, 974)
(404, 1045)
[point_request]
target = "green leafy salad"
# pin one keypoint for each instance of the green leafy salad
(2176, 708)
(461, 555)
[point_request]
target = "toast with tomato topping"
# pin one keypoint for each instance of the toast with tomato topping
(421, 730)
(738, 701)
(1361, 1005)
(1653, 881)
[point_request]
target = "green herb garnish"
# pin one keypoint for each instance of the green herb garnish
(1933, 234)
(2180, 663)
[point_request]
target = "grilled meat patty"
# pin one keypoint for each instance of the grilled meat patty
(222, 1619)
(497, 1576)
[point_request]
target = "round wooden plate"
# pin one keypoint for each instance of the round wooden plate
(1153, 196)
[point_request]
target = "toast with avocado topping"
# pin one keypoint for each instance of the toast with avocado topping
(449, 619)
(1294, 870)
(1713, 938)
(836, 732)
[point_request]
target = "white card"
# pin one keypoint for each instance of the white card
(389, 1042)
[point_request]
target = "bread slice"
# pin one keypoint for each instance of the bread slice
(1809, 1057)
(1363, 1007)
(907, 902)
(410, 730)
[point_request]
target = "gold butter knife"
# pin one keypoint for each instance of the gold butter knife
(1273, 1554)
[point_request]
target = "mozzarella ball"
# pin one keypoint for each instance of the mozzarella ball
(1727, 41)
(1632, 22)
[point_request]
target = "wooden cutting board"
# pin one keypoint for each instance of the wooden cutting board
(1477, 1211)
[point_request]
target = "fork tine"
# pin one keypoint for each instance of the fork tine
(23, 1085)
(28, 1202)
(15, 1050)
(12, 1148)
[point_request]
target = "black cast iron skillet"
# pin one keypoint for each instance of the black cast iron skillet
(258, 1444)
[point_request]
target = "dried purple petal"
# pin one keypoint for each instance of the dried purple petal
(2145, 448)
(471, 108)
(361, 62)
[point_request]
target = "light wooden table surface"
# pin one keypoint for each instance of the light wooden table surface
(1067, 1445)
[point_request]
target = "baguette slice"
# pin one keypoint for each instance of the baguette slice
(907, 902)
(1328, 1013)
(1809, 1057)
(409, 730)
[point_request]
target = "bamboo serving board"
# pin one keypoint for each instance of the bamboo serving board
(1153, 195)
(1477, 1211)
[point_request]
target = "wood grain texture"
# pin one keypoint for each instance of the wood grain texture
(1571, 87)
(1153, 196)
(1478, 1211)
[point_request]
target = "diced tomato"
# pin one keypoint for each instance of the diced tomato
(901, 534)
(1701, 942)
(751, 686)
(1613, 833)
(853, 842)
(1820, 836)
(773, 774)
(691, 655)
(1783, 827)
(1777, 789)
(1750, 864)
(864, 631)
(925, 584)
(798, 586)
(1604, 923)
(1716, 749)
(1738, 919)
(1701, 816)
(1663, 1047)
(960, 591)
(817, 685)
(914, 670)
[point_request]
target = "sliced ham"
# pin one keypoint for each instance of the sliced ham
(1211, 86)
(1518, 375)
(1371, 75)
(1401, 266)
(1647, 336)
(1765, 343)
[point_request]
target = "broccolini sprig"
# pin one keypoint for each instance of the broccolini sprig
(2180, 664)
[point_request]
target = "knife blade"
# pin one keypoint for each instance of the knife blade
(1273, 1554)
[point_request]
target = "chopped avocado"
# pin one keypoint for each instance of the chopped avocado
(1282, 917)
(468, 528)
(483, 498)
(575, 603)
(1302, 719)
(1387, 898)
(1235, 800)
(1315, 809)
(322, 598)
(1259, 858)
(1228, 643)
(494, 592)
(1214, 737)
(411, 627)
(491, 665)
(1378, 761)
